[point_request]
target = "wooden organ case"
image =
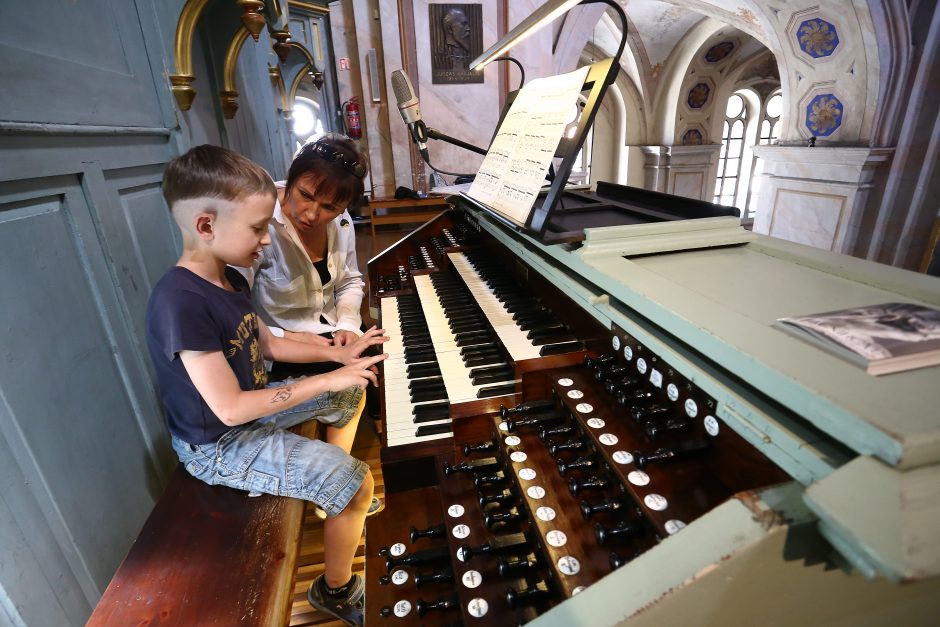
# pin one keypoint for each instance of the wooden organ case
(656, 452)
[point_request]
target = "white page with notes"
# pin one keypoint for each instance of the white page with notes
(514, 169)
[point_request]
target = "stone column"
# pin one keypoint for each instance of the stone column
(815, 196)
(681, 170)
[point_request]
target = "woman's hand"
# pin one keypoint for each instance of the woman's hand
(342, 337)
(358, 373)
(349, 353)
(308, 338)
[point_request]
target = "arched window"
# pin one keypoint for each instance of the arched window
(307, 123)
(769, 131)
(732, 149)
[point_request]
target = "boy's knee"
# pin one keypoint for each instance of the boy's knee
(363, 496)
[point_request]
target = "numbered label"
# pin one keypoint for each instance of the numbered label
(512, 440)
(461, 531)
(472, 578)
(556, 538)
(460, 555)
(615, 343)
(575, 394)
(656, 502)
(691, 409)
(399, 577)
(455, 510)
(397, 549)
(608, 439)
(674, 526)
(536, 492)
(565, 382)
(477, 607)
(656, 378)
(672, 391)
(711, 425)
(596, 423)
(628, 353)
(402, 608)
(641, 365)
(545, 513)
(518, 456)
(623, 457)
(584, 408)
(568, 565)
(503, 426)
(638, 477)
(526, 473)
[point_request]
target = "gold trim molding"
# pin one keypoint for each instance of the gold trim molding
(229, 95)
(278, 79)
(181, 81)
(307, 6)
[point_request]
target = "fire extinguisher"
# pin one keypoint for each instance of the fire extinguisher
(351, 118)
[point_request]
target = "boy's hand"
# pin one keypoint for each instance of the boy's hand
(308, 338)
(359, 373)
(349, 353)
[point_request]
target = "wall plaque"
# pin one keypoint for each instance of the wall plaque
(456, 39)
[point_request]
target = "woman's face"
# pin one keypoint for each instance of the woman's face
(306, 211)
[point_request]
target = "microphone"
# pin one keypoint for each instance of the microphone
(410, 110)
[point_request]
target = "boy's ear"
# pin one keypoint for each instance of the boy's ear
(204, 224)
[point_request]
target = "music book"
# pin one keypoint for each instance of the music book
(886, 338)
(513, 171)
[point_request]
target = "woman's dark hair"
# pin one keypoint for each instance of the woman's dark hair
(333, 166)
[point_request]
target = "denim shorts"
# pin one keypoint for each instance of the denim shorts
(262, 456)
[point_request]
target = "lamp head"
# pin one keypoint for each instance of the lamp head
(542, 16)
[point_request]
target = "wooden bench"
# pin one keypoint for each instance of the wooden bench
(406, 210)
(209, 554)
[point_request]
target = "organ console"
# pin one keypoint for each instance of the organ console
(573, 434)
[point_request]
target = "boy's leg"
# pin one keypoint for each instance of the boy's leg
(341, 535)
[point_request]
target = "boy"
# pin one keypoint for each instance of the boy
(208, 348)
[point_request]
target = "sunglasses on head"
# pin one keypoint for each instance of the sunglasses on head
(353, 166)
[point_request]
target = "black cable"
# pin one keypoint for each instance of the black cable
(519, 65)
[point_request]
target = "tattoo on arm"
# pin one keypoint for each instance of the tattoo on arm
(283, 394)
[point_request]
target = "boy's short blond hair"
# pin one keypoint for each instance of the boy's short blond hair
(209, 171)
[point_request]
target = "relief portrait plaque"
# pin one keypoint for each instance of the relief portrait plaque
(456, 39)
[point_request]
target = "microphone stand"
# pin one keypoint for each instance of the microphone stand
(435, 134)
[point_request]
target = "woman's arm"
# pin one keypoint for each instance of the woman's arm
(291, 351)
(349, 286)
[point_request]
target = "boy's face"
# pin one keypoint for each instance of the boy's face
(242, 229)
(309, 211)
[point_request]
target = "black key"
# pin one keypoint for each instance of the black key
(431, 411)
(444, 427)
(429, 369)
(558, 349)
(496, 390)
(424, 384)
(556, 339)
(419, 396)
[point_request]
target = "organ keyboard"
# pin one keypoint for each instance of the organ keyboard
(653, 442)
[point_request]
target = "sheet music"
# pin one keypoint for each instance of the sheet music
(513, 171)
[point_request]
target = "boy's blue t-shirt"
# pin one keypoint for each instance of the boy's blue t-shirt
(186, 312)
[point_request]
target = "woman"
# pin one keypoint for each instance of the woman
(307, 283)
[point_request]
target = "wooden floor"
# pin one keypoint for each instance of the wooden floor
(366, 448)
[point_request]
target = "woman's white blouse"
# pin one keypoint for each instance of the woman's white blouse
(286, 287)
